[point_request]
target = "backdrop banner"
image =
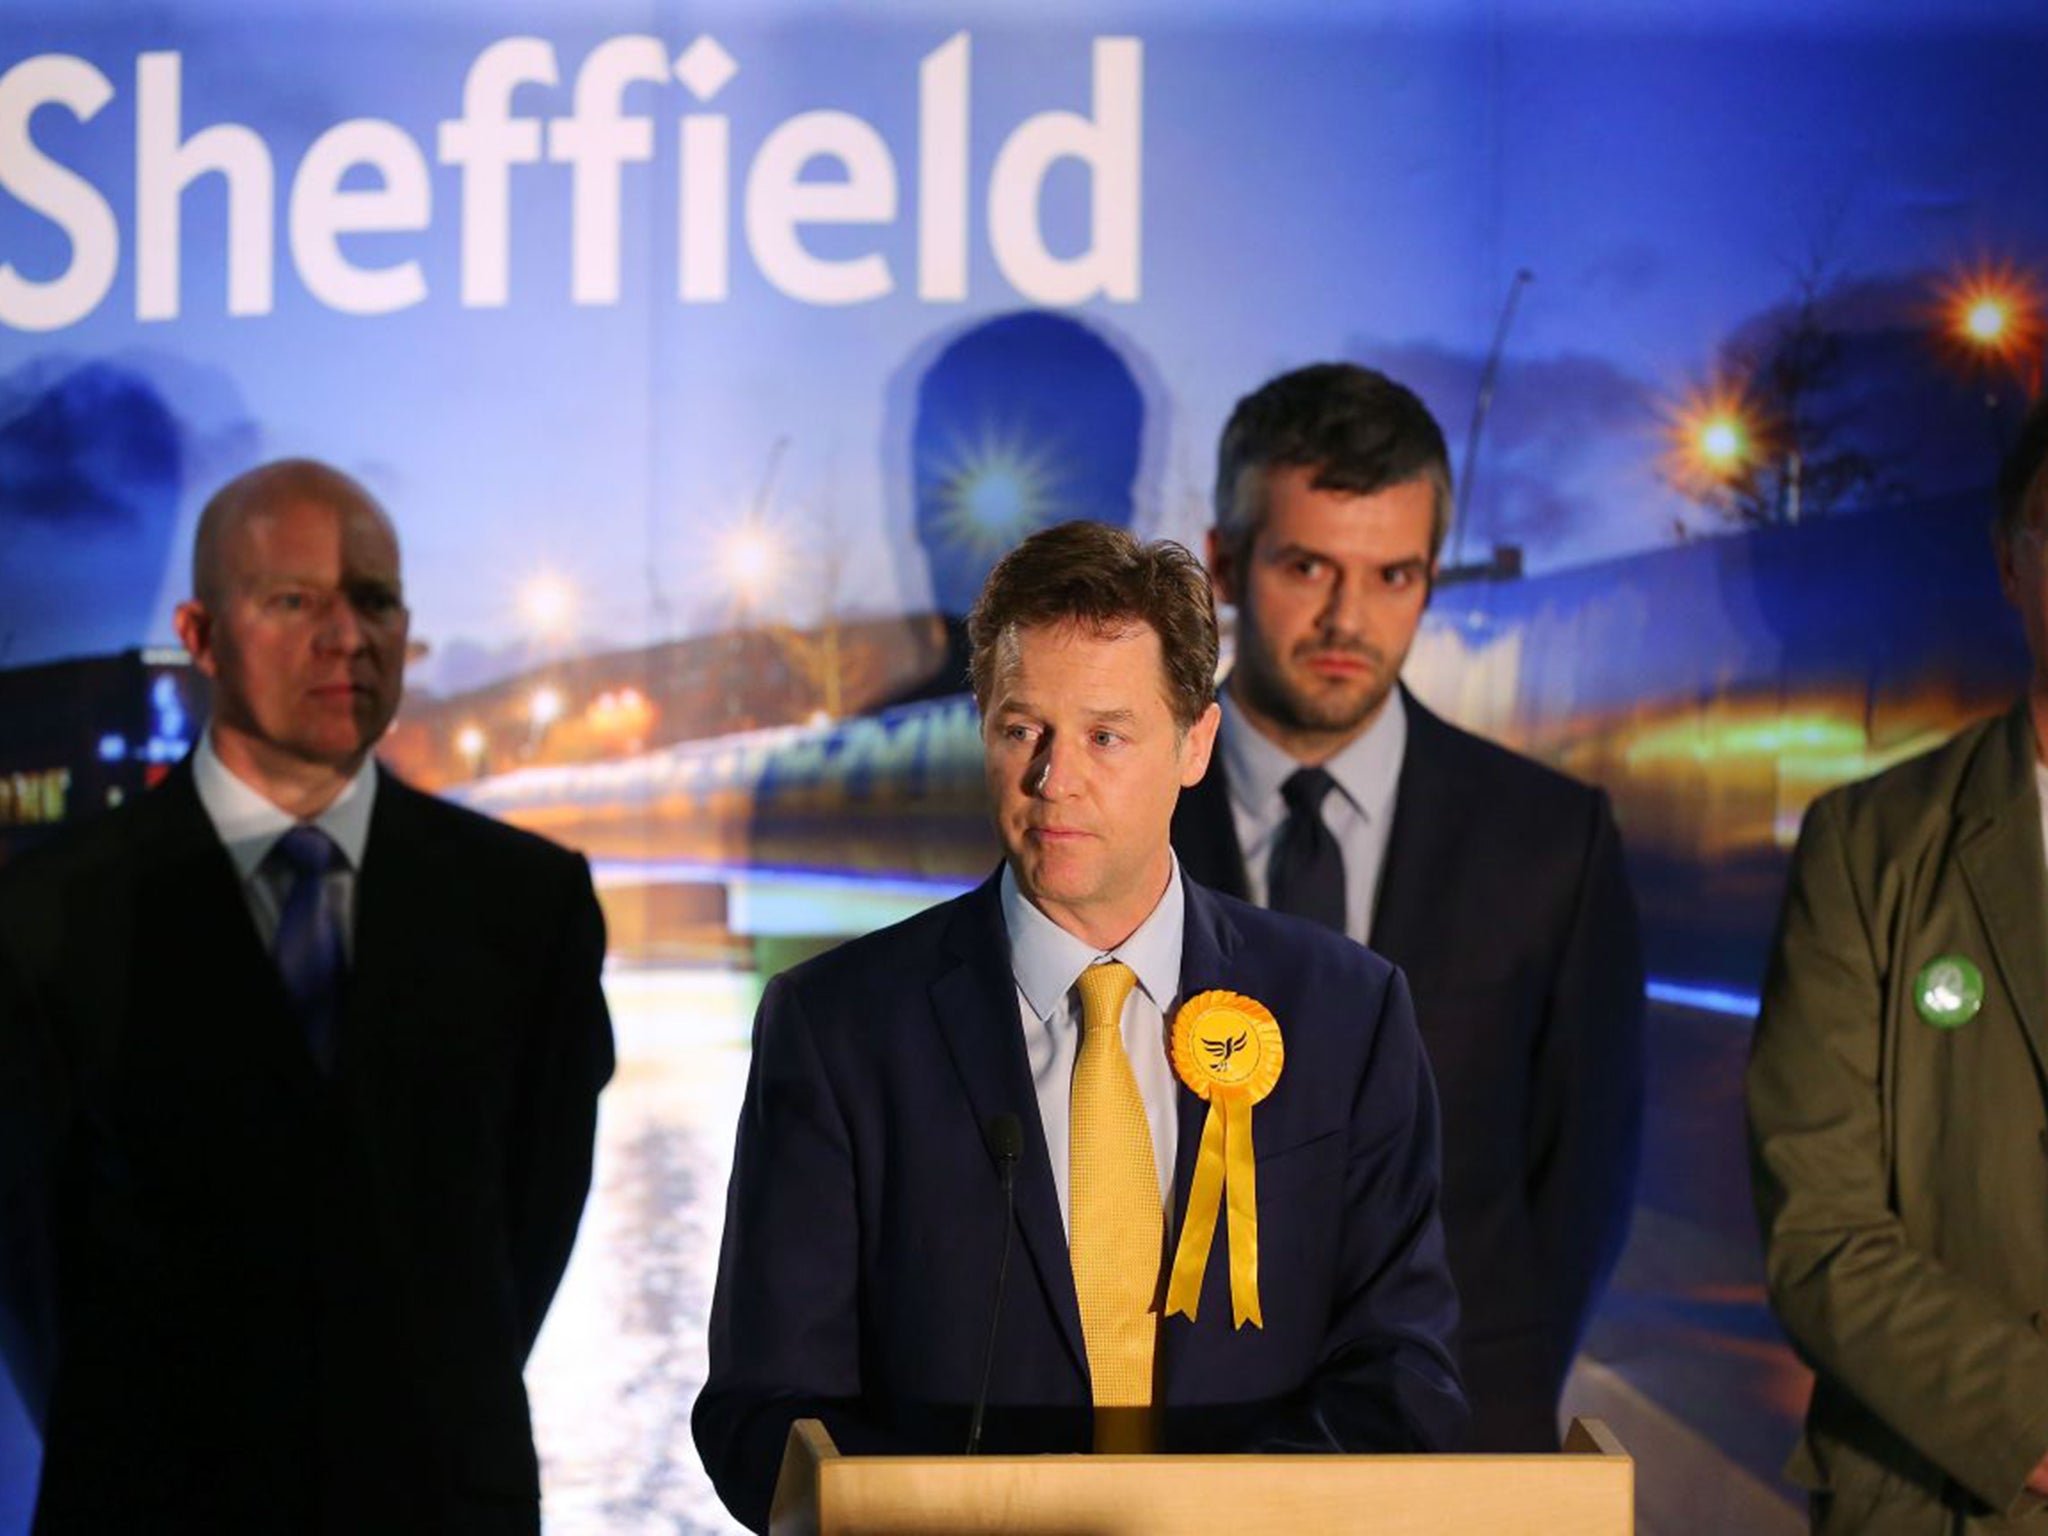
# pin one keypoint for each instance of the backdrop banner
(708, 356)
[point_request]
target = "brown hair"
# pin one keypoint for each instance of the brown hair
(1100, 577)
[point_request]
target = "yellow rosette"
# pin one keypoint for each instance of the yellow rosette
(1226, 1047)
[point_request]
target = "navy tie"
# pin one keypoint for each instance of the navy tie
(309, 953)
(1306, 875)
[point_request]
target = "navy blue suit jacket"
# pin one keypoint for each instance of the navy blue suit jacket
(865, 1216)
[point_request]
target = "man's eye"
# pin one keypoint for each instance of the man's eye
(1106, 738)
(1308, 567)
(289, 602)
(1018, 733)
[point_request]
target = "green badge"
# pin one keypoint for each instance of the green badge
(1948, 991)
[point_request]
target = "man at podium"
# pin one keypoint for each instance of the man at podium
(1216, 1121)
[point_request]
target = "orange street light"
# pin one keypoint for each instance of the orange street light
(1723, 444)
(1713, 437)
(1990, 317)
(470, 742)
(1987, 321)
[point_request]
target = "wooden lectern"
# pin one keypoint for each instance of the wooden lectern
(1587, 1490)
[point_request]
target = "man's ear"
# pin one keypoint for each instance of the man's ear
(194, 625)
(1225, 579)
(1198, 744)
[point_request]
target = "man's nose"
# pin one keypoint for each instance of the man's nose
(1056, 773)
(341, 627)
(1345, 610)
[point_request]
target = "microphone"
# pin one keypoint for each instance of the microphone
(1006, 1145)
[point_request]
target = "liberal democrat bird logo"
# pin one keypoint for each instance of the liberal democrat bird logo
(1222, 1050)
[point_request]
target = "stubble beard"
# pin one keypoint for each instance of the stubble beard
(1303, 710)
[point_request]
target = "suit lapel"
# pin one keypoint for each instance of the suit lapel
(975, 1005)
(1418, 843)
(1205, 836)
(1999, 848)
(393, 909)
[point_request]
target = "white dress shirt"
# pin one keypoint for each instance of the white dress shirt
(249, 826)
(1047, 962)
(1359, 812)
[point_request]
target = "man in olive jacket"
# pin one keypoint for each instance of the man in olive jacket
(1898, 1117)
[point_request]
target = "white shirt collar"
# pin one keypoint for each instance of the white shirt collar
(248, 824)
(1367, 770)
(1046, 960)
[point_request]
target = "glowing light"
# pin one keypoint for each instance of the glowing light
(549, 604)
(1734, 1005)
(1991, 313)
(994, 489)
(1801, 736)
(1987, 321)
(1806, 752)
(752, 558)
(169, 709)
(1713, 436)
(469, 741)
(625, 715)
(1723, 443)
(544, 707)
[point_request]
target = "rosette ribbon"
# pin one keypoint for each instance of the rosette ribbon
(1226, 1047)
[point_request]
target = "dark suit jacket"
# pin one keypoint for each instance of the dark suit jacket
(865, 1219)
(1504, 901)
(276, 1302)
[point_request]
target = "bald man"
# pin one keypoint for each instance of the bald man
(298, 1080)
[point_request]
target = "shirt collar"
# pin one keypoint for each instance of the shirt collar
(248, 825)
(1046, 960)
(1367, 771)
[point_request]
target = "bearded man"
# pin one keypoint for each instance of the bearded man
(1494, 883)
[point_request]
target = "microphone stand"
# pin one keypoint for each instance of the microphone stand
(1006, 1141)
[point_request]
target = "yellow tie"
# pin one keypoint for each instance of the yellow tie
(1116, 1226)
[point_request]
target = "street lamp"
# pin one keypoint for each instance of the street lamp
(1990, 316)
(1987, 321)
(549, 605)
(1711, 438)
(469, 744)
(1723, 444)
(1724, 451)
(751, 561)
